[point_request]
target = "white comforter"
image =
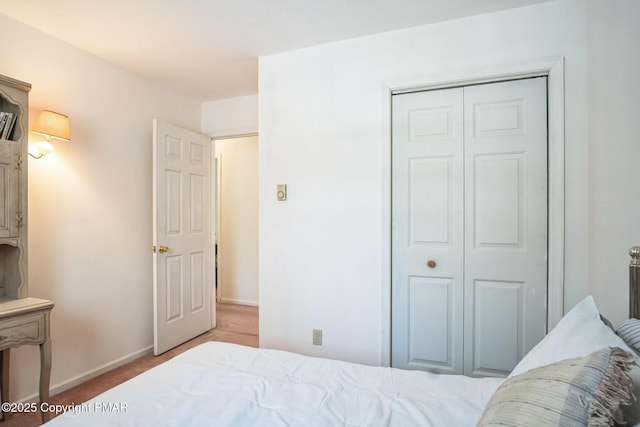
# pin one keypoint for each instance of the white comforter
(222, 384)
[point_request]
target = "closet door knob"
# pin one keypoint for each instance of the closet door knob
(431, 264)
(163, 249)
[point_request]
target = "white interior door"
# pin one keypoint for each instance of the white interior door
(182, 259)
(469, 231)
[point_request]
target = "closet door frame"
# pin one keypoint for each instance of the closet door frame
(553, 69)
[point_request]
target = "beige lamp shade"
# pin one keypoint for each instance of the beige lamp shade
(52, 125)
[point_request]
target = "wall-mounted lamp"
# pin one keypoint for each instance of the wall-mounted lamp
(51, 125)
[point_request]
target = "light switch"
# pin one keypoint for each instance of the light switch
(282, 192)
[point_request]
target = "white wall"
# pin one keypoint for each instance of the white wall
(238, 220)
(322, 131)
(89, 204)
(614, 149)
(230, 117)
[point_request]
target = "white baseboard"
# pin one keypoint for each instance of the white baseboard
(86, 376)
(239, 301)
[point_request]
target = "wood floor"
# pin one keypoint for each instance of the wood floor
(235, 323)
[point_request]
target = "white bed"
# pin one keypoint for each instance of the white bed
(582, 373)
(224, 384)
(219, 383)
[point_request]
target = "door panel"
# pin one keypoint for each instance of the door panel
(430, 321)
(427, 226)
(182, 223)
(505, 222)
(495, 118)
(198, 283)
(174, 288)
(429, 196)
(498, 217)
(494, 331)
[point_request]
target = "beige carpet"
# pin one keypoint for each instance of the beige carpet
(235, 323)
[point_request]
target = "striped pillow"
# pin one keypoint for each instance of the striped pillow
(629, 331)
(585, 391)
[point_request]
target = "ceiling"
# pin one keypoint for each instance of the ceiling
(209, 48)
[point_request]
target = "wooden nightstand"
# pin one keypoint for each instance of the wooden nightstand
(25, 321)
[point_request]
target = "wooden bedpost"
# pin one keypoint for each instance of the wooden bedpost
(634, 283)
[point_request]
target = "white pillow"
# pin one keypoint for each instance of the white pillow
(579, 333)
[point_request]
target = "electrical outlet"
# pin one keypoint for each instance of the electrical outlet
(317, 337)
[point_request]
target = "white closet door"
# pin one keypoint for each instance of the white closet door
(505, 223)
(427, 225)
(469, 193)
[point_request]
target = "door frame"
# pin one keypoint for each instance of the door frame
(553, 69)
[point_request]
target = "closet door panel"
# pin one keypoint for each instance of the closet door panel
(430, 200)
(427, 203)
(498, 337)
(505, 223)
(498, 217)
(430, 323)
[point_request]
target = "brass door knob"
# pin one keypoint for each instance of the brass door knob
(431, 264)
(163, 249)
